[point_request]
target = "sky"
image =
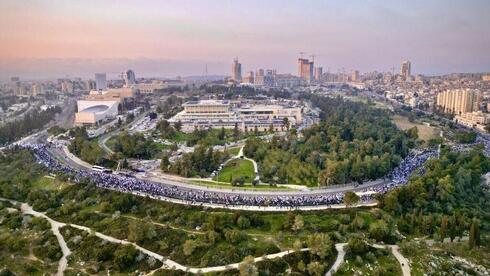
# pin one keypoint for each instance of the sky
(48, 38)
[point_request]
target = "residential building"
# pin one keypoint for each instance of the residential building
(129, 78)
(355, 76)
(318, 73)
(405, 69)
(305, 69)
(475, 119)
(100, 81)
(249, 78)
(459, 101)
(236, 71)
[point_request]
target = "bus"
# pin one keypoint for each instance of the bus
(100, 169)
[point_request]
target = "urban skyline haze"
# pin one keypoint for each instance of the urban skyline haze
(42, 39)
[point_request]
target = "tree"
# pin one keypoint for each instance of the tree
(124, 257)
(247, 267)
(178, 125)
(351, 198)
(297, 245)
(298, 223)
(443, 229)
(474, 234)
(222, 134)
(357, 246)
(315, 268)
(236, 131)
(152, 115)
(243, 222)
(285, 123)
(379, 230)
(320, 244)
(189, 247)
(165, 163)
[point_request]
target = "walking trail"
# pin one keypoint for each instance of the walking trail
(55, 228)
(167, 263)
(170, 264)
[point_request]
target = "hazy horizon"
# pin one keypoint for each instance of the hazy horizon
(47, 39)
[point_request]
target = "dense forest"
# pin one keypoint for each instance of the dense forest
(15, 130)
(449, 191)
(353, 142)
(135, 146)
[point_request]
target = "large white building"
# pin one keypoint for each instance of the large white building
(101, 105)
(91, 112)
(218, 114)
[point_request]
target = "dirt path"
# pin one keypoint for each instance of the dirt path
(339, 260)
(55, 227)
(167, 263)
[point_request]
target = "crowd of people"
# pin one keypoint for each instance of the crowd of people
(399, 176)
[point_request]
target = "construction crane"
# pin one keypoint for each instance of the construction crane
(312, 56)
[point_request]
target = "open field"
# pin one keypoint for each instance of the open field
(49, 183)
(425, 132)
(237, 168)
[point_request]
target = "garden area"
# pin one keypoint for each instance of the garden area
(240, 170)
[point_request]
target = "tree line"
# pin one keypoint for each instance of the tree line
(34, 120)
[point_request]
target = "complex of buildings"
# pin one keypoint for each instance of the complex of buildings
(205, 114)
(459, 101)
(476, 119)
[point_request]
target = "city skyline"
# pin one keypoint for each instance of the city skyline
(65, 38)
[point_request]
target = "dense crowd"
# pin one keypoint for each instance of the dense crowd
(399, 176)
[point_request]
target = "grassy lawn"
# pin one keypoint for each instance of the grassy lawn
(425, 132)
(233, 151)
(49, 183)
(237, 168)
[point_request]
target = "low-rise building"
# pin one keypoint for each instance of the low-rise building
(222, 114)
(476, 120)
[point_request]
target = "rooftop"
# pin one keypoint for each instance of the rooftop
(207, 102)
